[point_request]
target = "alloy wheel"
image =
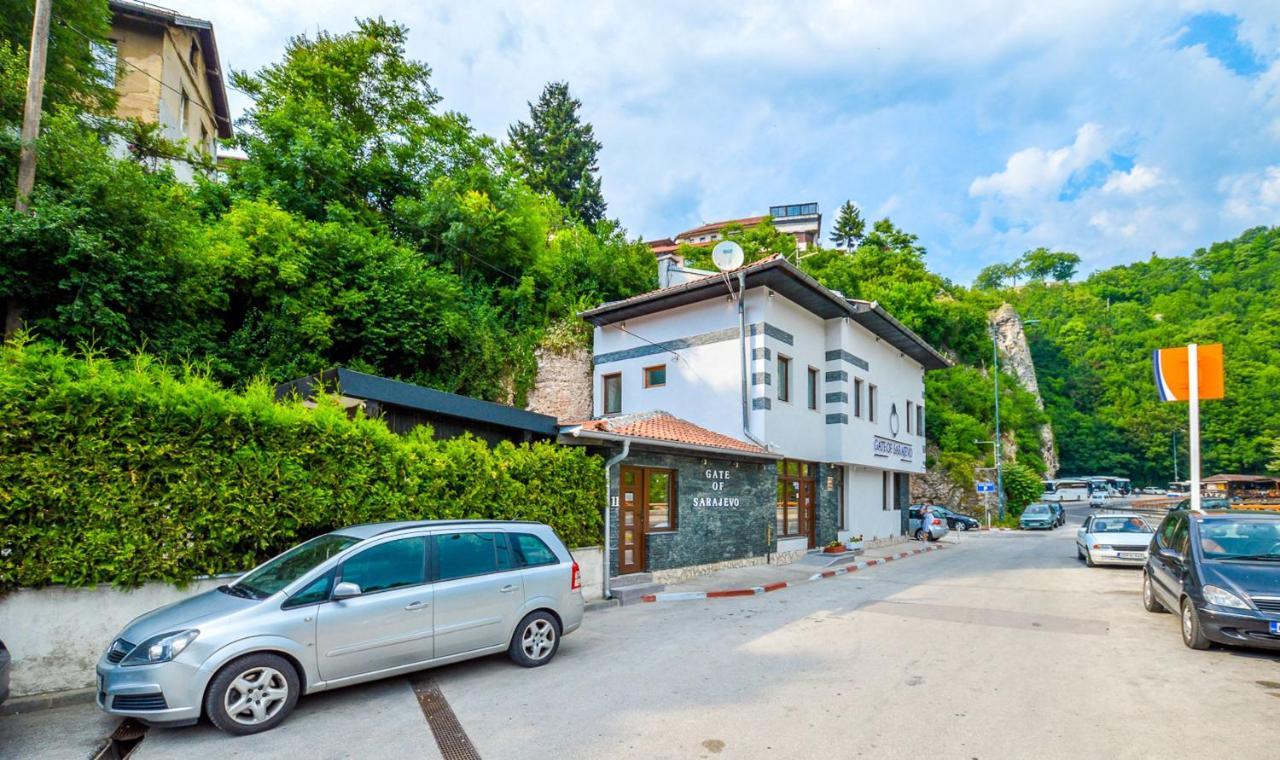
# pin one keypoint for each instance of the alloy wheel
(538, 639)
(256, 695)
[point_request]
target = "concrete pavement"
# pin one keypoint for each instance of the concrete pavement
(1004, 646)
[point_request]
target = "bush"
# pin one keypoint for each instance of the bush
(1021, 487)
(128, 472)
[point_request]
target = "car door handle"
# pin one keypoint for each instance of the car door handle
(417, 605)
(507, 589)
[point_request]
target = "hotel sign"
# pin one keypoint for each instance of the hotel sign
(887, 447)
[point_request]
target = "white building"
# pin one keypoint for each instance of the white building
(767, 355)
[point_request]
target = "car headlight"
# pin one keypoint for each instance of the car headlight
(161, 648)
(1223, 598)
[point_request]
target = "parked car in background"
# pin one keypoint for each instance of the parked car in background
(354, 605)
(1037, 516)
(1120, 539)
(1220, 572)
(957, 521)
(1059, 514)
(6, 662)
(1097, 499)
(1153, 491)
(935, 528)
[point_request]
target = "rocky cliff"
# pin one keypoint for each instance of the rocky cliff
(1015, 353)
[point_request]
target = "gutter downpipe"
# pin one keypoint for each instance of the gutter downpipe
(608, 505)
(742, 356)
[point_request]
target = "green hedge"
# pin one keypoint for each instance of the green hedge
(127, 472)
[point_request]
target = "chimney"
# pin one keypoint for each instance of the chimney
(666, 263)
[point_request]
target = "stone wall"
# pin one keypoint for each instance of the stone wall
(562, 388)
(707, 532)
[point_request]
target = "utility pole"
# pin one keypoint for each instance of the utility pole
(995, 375)
(30, 131)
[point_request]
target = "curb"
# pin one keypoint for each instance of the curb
(690, 596)
(48, 701)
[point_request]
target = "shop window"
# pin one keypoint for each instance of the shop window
(871, 403)
(886, 491)
(655, 377)
(784, 378)
(813, 388)
(837, 485)
(611, 392)
(857, 397)
(795, 497)
(911, 412)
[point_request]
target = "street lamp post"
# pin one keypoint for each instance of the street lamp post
(995, 376)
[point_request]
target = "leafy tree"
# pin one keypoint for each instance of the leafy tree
(758, 241)
(995, 276)
(849, 228)
(1022, 486)
(557, 152)
(77, 72)
(1043, 264)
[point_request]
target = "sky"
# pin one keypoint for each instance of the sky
(1112, 129)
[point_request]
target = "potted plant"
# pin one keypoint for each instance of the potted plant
(854, 543)
(835, 547)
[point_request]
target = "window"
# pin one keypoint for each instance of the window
(395, 564)
(857, 397)
(911, 412)
(612, 393)
(837, 482)
(871, 403)
(315, 592)
(655, 377)
(184, 105)
(293, 564)
(193, 54)
(920, 420)
(795, 493)
(813, 388)
(462, 555)
(659, 506)
(106, 59)
(886, 490)
(531, 550)
(205, 144)
(784, 378)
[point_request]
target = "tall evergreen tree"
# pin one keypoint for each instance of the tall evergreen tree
(849, 228)
(557, 151)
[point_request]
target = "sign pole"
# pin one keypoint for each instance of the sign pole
(1193, 377)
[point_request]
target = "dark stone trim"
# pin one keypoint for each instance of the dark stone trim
(715, 336)
(762, 353)
(837, 419)
(839, 397)
(763, 402)
(772, 332)
(841, 355)
(761, 378)
(837, 376)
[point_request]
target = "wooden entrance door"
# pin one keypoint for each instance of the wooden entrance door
(631, 521)
(807, 512)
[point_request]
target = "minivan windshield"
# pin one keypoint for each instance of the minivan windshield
(290, 566)
(1240, 540)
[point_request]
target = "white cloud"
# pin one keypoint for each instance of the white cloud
(1137, 180)
(1036, 171)
(1252, 198)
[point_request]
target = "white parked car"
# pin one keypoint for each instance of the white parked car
(1120, 539)
(1097, 499)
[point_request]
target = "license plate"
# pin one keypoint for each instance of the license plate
(1131, 555)
(1275, 626)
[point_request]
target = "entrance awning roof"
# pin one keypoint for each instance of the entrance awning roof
(663, 430)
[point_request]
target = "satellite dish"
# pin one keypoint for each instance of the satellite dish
(727, 255)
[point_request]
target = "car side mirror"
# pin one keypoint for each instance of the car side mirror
(1173, 554)
(346, 590)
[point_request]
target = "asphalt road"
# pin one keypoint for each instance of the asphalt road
(1003, 646)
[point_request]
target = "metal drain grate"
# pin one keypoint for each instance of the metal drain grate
(452, 740)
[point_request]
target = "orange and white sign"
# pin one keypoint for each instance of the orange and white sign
(1173, 377)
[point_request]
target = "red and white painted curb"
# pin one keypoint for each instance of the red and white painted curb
(689, 596)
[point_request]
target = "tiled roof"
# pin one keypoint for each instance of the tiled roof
(706, 229)
(663, 426)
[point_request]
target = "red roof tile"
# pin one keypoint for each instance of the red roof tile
(662, 426)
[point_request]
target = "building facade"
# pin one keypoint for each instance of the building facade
(800, 220)
(767, 358)
(168, 73)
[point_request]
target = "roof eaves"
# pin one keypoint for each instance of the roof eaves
(579, 432)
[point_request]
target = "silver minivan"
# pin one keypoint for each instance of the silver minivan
(355, 605)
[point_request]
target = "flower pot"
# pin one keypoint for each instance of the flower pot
(833, 550)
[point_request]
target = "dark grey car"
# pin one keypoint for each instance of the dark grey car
(6, 661)
(355, 605)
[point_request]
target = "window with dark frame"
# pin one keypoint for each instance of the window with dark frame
(611, 393)
(911, 412)
(920, 420)
(871, 403)
(813, 388)
(837, 478)
(655, 376)
(784, 378)
(857, 397)
(886, 489)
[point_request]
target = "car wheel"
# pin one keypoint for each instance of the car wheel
(251, 694)
(1079, 552)
(1192, 635)
(1088, 558)
(919, 534)
(962, 526)
(536, 640)
(1149, 601)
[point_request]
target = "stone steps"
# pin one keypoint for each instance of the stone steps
(630, 589)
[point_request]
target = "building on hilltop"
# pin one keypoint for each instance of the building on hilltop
(801, 220)
(168, 73)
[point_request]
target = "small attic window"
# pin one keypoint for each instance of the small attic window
(194, 54)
